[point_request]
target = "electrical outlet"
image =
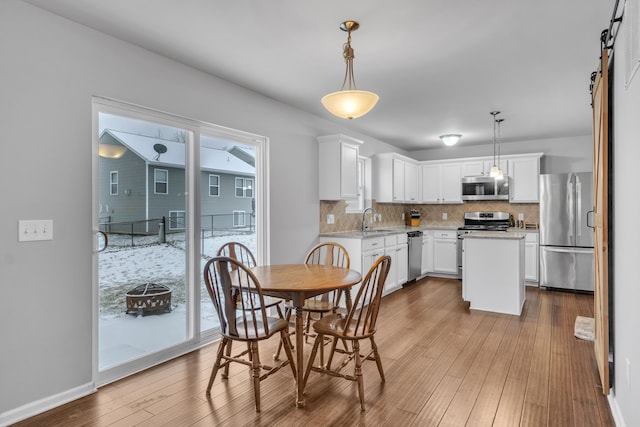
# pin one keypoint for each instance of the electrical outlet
(444, 215)
(33, 230)
(403, 216)
(379, 216)
(331, 219)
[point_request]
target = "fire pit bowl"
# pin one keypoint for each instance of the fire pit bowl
(149, 298)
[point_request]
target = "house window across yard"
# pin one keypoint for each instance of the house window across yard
(214, 185)
(177, 220)
(113, 183)
(244, 187)
(161, 181)
(239, 218)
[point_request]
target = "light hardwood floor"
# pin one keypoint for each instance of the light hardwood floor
(444, 364)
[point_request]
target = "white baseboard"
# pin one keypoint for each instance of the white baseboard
(615, 410)
(49, 402)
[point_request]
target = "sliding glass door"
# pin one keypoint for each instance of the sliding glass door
(168, 192)
(142, 274)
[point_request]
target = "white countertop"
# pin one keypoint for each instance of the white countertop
(512, 233)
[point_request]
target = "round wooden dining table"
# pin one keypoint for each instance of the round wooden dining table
(297, 282)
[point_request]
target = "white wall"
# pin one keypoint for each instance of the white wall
(50, 69)
(626, 235)
(561, 155)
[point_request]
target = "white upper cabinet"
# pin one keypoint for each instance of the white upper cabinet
(399, 179)
(482, 166)
(411, 182)
(396, 179)
(441, 182)
(338, 163)
(525, 176)
(474, 168)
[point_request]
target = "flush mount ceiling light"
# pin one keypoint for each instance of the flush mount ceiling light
(450, 139)
(111, 151)
(350, 103)
(495, 171)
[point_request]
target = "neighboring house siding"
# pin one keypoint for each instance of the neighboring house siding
(129, 203)
(217, 212)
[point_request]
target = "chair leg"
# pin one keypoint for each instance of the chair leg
(312, 358)
(287, 317)
(216, 365)
(333, 351)
(307, 327)
(286, 343)
(358, 372)
(255, 368)
(374, 347)
(225, 372)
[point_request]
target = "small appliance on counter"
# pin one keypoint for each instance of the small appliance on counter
(413, 218)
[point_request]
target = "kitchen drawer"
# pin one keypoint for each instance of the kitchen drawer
(445, 234)
(531, 238)
(390, 240)
(402, 238)
(375, 243)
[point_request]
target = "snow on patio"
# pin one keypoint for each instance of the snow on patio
(126, 336)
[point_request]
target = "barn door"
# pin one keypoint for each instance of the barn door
(601, 197)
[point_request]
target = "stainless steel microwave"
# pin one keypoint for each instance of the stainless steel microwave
(485, 188)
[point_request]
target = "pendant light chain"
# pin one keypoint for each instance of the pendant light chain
(348, 59)
(494, 140)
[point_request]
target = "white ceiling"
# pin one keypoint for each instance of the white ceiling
(439, 66)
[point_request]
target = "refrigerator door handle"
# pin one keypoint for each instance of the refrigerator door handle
(578, 207)
(571, 192)
(569, 250)
(592, 212)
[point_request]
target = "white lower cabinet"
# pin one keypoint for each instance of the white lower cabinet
(427, 252)
(396, 246)
(445, 251)
(531, 257)
(364, 252)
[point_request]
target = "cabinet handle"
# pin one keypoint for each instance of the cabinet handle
(374, 244)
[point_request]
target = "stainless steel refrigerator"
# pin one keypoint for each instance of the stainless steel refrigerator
(566, 231)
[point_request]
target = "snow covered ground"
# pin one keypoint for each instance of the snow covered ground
(122, 268)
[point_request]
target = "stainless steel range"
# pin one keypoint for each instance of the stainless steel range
(480, 221)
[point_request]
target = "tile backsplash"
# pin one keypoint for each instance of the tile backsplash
(430, 214)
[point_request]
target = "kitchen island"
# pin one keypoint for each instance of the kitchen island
(493, 271)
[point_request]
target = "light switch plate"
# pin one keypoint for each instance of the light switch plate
(33, 230)
(331, 219)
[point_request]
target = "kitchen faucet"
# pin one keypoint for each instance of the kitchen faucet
(364, 224)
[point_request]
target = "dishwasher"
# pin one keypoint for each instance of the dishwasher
(415, 254)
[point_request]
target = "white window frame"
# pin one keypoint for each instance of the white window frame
(174, 216)
(358, 204)
(242, 215)
(156, 181)
(113, 182)
(216, 186)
